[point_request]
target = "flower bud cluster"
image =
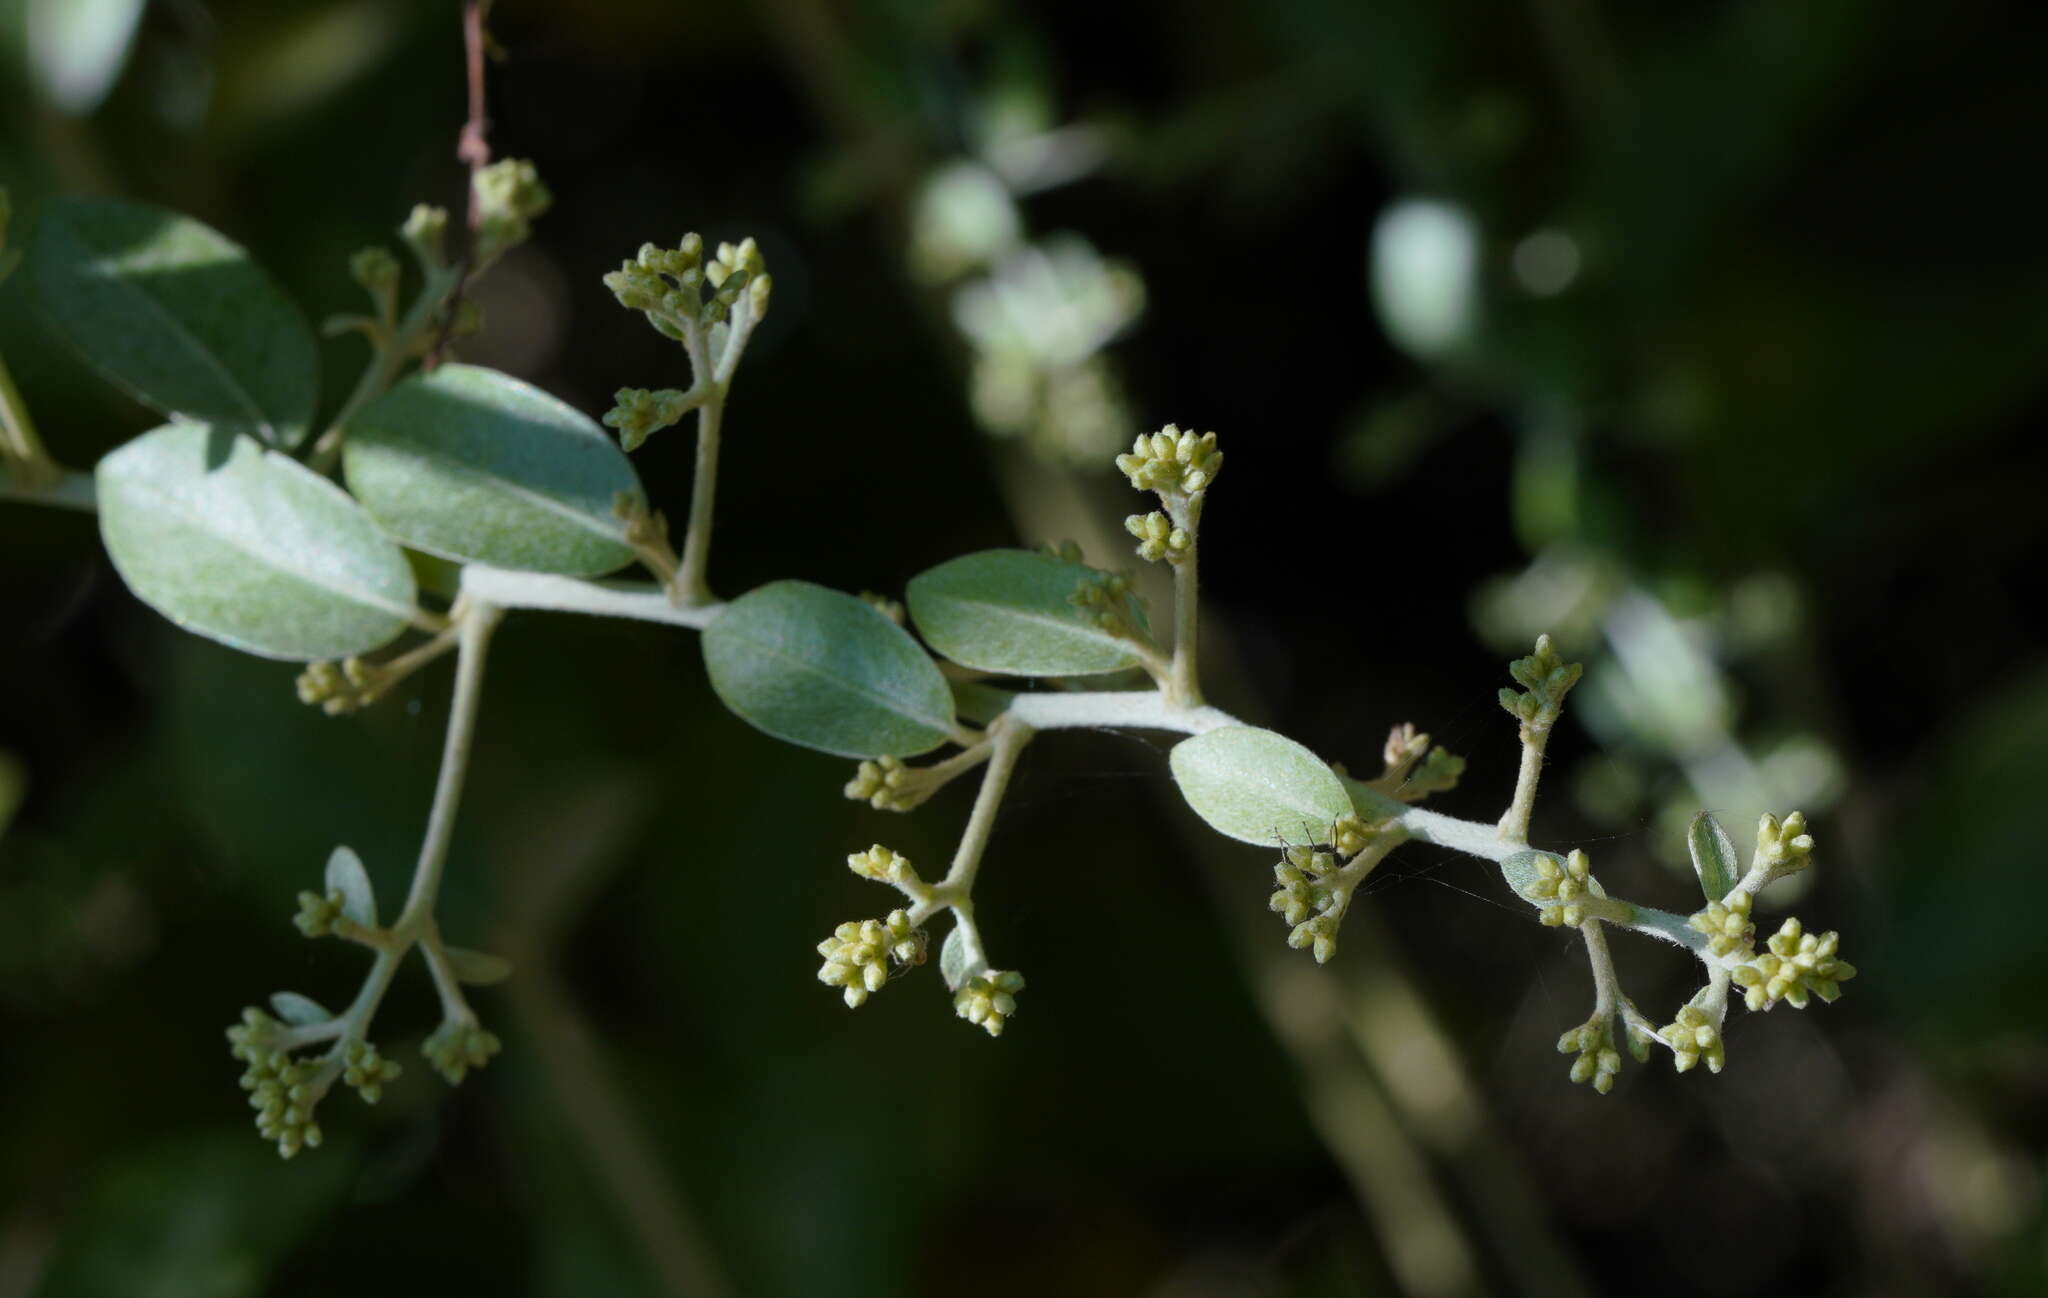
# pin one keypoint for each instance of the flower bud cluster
(281, 1089)
(883, 866)
(1782, 849)
(426, 232)
(1402, 778)
(1172, 462)
(858, 955)
(1794, 965)
(680, 292)
(457, 1046)
(320, 914)
(1694, 1037)
(1309, 898)
(1726, 924)
(1545, 678)
(886, 784)
(366, 1071)
(509, 196)
(638, 413)
(340, 688)
(377, 271)
(1598, 1060)
(1158, 538)
(1565, 888)
(989, 999)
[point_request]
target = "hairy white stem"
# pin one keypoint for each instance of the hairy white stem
(1184, 683)
(1120, 709)
(1514, 826)
(640, 601)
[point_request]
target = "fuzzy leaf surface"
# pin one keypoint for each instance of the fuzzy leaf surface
(249, 547)
(1713, 857)
(1258, 787)
(828, 671)
(471, 464)
(298, 1010)
(1009, 611)
(177, 314)
(346, 875)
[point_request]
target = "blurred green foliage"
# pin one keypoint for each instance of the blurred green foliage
(1734, 381)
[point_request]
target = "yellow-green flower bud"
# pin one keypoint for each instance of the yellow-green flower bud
(1598, 1060)
(1172, 462)
(458, 1046)
(858, 954)
(881, 864)
(989, 1000)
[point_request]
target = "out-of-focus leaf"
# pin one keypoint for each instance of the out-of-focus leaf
(205, 1217)
(478, 968)
(1258, 787)
(472, 464)
(1010, 611)
(177, 314)
(826, 670)
(78, 47)
(249, 547)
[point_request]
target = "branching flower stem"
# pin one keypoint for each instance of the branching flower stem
(389, 356)
(1184, 685)
(1514, 826)
(956, 891)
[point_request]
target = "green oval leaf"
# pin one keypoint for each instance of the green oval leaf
(177, 314)
(77, 47)
(1713, 857)
(299, 1010)
(1258, 787)
(346, 875)
(1008, 611)
(471, 464)
(953, 959)
(820, 668)
(249, 547)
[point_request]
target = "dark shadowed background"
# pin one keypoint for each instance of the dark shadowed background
(1708, 337)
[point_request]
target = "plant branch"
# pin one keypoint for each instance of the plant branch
(638, 601)
(1514, 826)
(32, 469)
(69, 490)
(476, 621)
(691, 589)
(1184, 682)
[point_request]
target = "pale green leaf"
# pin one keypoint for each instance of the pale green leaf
(298, 1010)
(478, 968)
(177, 314)
(471, 464)
(953, 958)
(1009, 611)
(1713, 857)
(1519, 871)
(826, 670)
(346, 875)
(1258, 787)
(249, 547)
